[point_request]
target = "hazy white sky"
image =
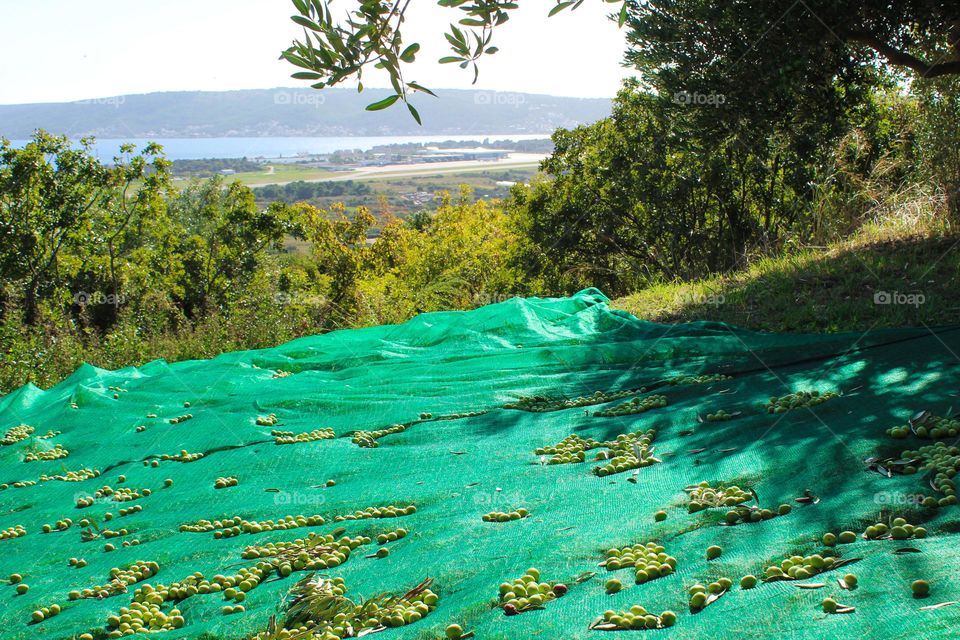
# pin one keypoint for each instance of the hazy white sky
(62, 50)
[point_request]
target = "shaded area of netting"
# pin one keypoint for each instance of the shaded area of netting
(261, 418)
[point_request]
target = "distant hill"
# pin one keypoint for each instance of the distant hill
(298, 112)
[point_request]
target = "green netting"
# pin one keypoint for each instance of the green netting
(456, 469)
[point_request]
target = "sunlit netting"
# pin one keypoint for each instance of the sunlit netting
(411, 475)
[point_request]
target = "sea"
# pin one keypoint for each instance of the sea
(273, 148)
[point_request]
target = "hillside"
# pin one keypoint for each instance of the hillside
(369, 461)
(883, 276)
(298, 112)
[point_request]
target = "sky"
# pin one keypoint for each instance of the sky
(65, 50)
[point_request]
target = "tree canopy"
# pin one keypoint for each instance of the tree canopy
(763, 51)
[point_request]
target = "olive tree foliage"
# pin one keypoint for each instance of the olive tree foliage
(57, 200)
(336, 48)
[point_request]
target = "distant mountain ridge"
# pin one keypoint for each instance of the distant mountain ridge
(298, 112)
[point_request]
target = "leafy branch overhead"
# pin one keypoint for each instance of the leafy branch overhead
(334, 49)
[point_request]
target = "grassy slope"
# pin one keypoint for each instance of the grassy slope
(824, 289)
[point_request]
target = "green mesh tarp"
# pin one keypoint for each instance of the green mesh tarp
(456, 469)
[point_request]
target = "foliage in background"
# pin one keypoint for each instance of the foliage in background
(108, 264)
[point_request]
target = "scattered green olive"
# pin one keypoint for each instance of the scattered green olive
(660, 516)
(454, 632)
(15, 578)
(920, 588)
(847, 537)
(829, 605)
(850, 580)
(613, 585)
(713, 552)
(22, 589)
(748, 582)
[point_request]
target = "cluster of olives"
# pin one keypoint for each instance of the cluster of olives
(16, 434)
(705, 496)
(12, 532)
(20, 484)
(49, 434)
(120, 579)
(700, 596)
(143, 618)
(379, 512)
(223, 483)
(933, 427)
(109, 533)
(628, 451)
(315, 552)
(634, 406)
(79, 563)
(900, 529)
(635, 618)
(267, 421)
(458, 416)
(151, 463)
(60, 525)
(649, 560)
(720, 416)
(796, 400)
(183, 456)
(236, 525)
(368, 439)
(704, 379)
(333, 627)
(57, 453)
(283, 524)
(943, 462)
(407, 610)
(845, 537)
(126, 494)
(45, 613)
(742, 514)
(350, 620)
(127, 511)
(289, 437)
(499, 516)
(526, 592)
(800, 567)
(570, 450)
(392, 536)
(73, 476)
(183, 418)
(542, 404)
